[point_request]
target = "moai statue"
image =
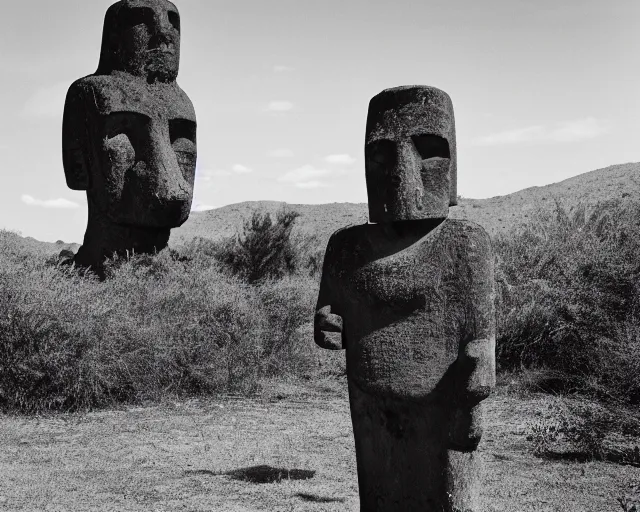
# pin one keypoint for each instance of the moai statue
(129, 135)
(410, 297)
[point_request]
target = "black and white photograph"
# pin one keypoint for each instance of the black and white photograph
(323, 256)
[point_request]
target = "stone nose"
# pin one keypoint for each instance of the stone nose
(162, 31)
(167, 179)
(408, 164)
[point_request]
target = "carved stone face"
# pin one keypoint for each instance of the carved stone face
(133, 148)
(410, 154)
(142, 38)
(146, 160)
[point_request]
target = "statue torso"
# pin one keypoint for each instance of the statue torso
(403, 298)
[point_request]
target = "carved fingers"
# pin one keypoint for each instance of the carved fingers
(327, 331)
(466, 429)
(476, 370)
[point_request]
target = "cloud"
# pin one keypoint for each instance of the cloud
(280, 153)
(200, 207)
(281, 68)
(570, 131)
(60, 203)
(210, 174)
(340, 159)
(517, 136)
(279, 106)
(241, 169)
(47, 101)
(588, 128)
(311, 184)
(307, 176)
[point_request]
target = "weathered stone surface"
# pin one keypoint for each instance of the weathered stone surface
(410, 151)
(411, 300)
(129, 134)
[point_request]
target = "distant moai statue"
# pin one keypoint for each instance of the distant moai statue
(129, 135)
(411, 299)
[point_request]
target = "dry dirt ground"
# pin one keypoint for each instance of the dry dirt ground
(287, 451)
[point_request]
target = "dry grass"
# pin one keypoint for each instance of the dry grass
(214, 455)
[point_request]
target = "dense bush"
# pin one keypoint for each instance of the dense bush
(210, 318)
(156, 326)
(568, 299)
(219, 316)
(264, 248)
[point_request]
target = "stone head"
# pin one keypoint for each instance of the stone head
(410, 154)
(142, 38)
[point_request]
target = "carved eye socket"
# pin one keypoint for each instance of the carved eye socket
(131, 124)
(182, 133)
(174, 19)
(431, 146)
(182, 129)
(135, 16)
(381, 153)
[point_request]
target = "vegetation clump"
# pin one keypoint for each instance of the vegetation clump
(218, 317)
(197, 321)
(569, 300)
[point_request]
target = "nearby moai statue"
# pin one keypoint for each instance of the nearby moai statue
(129, 134)
(411, 299)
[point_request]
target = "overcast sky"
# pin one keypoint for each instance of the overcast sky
(543, 90)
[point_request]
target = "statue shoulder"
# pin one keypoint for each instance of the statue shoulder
(467, 232)
(88, 86)
(78, 88)
(181, 92)
(347, 235)
(185, 102)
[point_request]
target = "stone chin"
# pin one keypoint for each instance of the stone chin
(401, 213)
(166, 215)
(163, 68)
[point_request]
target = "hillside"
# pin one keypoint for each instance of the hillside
(497, 214)
(318, 219)
(501, 213)
(38, 247)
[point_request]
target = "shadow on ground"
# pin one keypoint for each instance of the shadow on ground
(259, 474)
(318, 499)
(630, 457)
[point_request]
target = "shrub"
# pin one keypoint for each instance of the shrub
(568, 297)
(264, 249)
(178, 323)
(289, 304)
(630, 501)
(583, 430)
(157, 326)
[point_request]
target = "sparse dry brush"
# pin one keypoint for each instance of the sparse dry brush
(155, 327)
(569, 297)
(179, 323)
(217, 317)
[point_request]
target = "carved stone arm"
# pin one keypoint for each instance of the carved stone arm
(327, 329)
